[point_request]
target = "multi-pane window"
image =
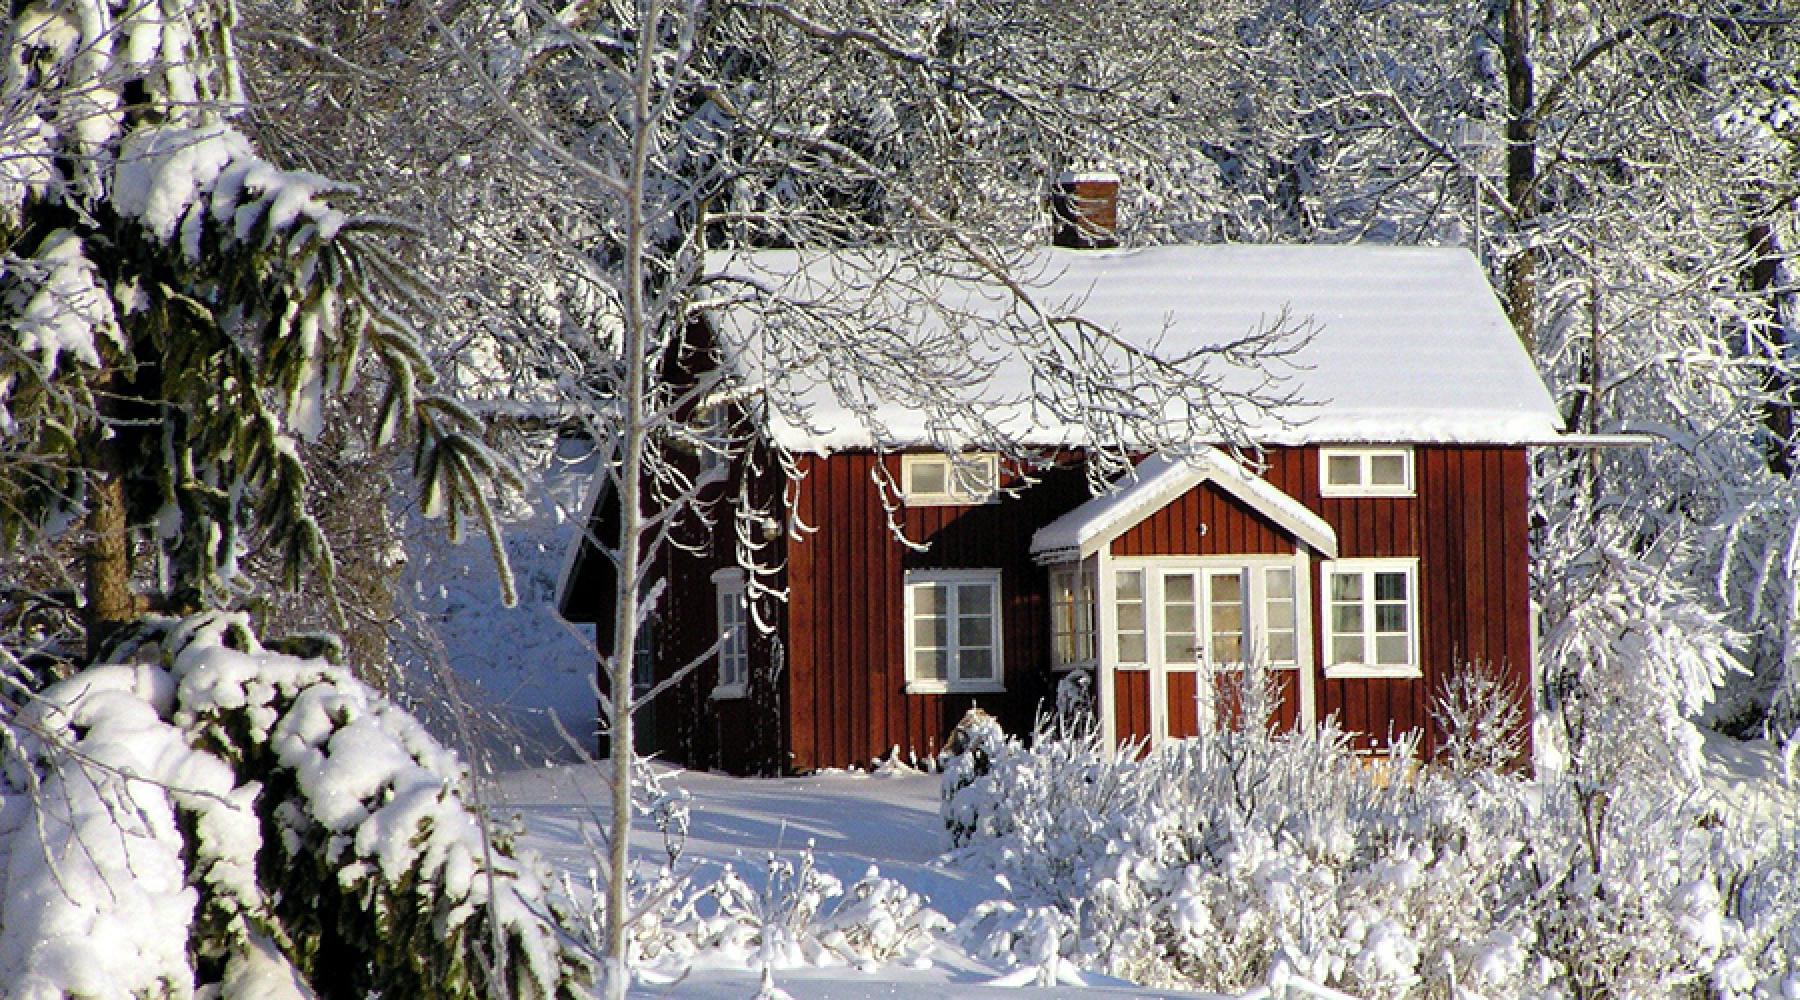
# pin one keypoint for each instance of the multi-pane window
(953, 630)
(1371, 621)
(1128, 605)
(1371, 472)
(710, 436)
(1180, 619)
(734, 634)
(1072, 616)
(1281, 618)
(937, 480)
(1225, 617)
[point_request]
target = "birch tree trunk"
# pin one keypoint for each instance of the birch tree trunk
(634, 439)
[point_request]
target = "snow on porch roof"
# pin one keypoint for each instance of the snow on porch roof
(1154, 484)
(1411, 345)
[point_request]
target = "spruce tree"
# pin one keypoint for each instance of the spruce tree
(177, 314)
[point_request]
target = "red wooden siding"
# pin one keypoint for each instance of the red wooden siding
(1228, 689)
(1204, 521)
(685, 724)
(846, 671)
(833, 693)
(1466, 524)
(1131, 691)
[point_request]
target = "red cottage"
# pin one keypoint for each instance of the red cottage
(1378, 546)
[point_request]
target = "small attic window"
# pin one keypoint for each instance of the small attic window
(940, 480)
(1366, 472)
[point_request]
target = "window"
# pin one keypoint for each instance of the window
(1366, 472)
(1227, 604)
(734, 632)
(1072, 592)
(1281, 617)
(940, 480)
(1128, 603)
(1371, 618)
(952, 630)
(1181, 619)
(710, 436)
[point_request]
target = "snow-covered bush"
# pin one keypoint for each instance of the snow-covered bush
(1223, 861)
(232, 819)
(794, 916)
(1630, 658)
(1482, 717)
(1033, 943)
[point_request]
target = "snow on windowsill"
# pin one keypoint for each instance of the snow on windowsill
(1360, 672)
(966, 687)
(729, 692)
(1379, 492)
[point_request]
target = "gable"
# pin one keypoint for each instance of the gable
(1159, 481)
(1206, 520)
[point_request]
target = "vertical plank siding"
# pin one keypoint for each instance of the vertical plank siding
(829, 689)
(686, 724)
(1466, 524)
(846, 673)
(1204, 521)
(1131, 716)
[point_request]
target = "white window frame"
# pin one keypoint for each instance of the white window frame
(954, 682)
(1297, 585)
(961, 485)
(1084, 629)
(1365, 458)
(1367, 568)
(709, 429)
(734, 636)
(1116, 632)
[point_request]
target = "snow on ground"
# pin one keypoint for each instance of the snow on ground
(890, 820)
(1754, 778)
(518, 664)
(851, 820)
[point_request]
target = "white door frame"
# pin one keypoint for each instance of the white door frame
(1156, 570)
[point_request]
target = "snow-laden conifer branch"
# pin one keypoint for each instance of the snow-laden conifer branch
(234, 763)
(239, 302)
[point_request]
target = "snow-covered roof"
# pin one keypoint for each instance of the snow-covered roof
(1154, 484)
(1410, 343)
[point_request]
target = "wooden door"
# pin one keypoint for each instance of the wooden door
(1185, 633)
(1133, 715)
(1258, 621)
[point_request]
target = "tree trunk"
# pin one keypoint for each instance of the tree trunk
(1521, 170)
(1778, 389)
(106, 554)
(635, 440)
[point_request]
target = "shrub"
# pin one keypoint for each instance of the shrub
(1219, 862)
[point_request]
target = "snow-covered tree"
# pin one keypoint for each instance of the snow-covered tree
(1626, 169)
(178, 314)
(209, 818)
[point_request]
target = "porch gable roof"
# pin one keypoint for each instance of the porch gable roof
(1158, 481)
